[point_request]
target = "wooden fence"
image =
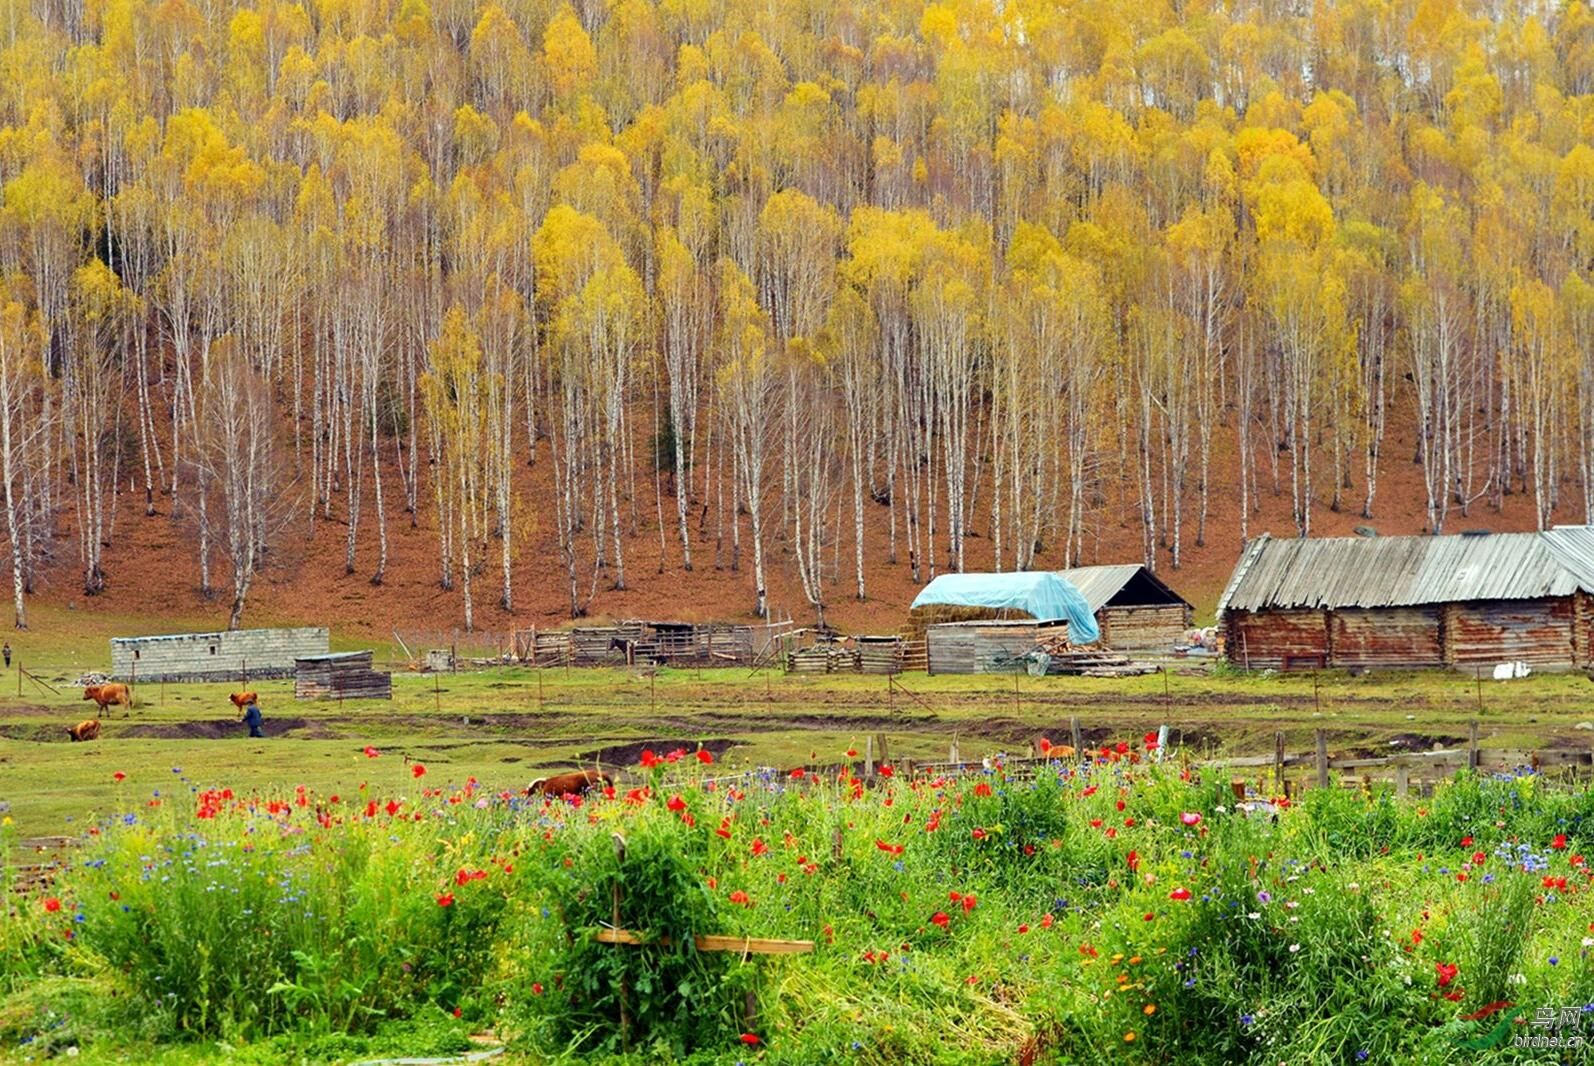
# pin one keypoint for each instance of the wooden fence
(1279, 773)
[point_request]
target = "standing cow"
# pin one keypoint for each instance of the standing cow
(109, 694)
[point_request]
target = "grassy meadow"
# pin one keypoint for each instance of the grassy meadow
(369, 882)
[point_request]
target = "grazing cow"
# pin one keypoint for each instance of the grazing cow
(108, 694)
(241, 700)
(88, 729)
(575, 783)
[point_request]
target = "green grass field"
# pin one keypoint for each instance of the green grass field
(506, 726)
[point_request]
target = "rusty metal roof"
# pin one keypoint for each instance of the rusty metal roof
(1099, 584)
(1406, 571)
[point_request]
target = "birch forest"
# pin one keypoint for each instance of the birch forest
(749, 278)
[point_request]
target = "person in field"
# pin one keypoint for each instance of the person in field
(251, 717)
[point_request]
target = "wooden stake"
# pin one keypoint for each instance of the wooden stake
(1472, 745)
(1073, 731)
(539, 688)
(1278, 759)
(1402, 781)
(1322, 758)
(868, 755)
(625, 1016)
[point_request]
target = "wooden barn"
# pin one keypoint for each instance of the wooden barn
(1134, 609)
(339, 676)
(1468, 601)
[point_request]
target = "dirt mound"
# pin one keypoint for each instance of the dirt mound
(629, 754)
(226, 728)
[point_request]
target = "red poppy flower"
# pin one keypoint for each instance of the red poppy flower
(1478, 858)
(1133, 858)
(1046, 921)
(118, 777)
(370, 752)
(886, 771)
(1559, 843)
(392, 807)
(536, 988)
(1023, 929)
(418, 770)
(1045, 746)
(750, 1039)
(446, 899)
(978, 833)
(1150, 741)
(799, 772)
(1095, 823)
(1190, 818)
(954, 896)
(1091, 791)
(676, 803)
(982, 789)
(1416, 936)
(893, 849)
(52, 904)
(1466, 842)
(1180, 894)
(724, 831)
(741, 898)
(759, 847)
(649, 760)
(1122, 748)
(968, 903)
(940, 918)
(1447, 972)
(705, 757)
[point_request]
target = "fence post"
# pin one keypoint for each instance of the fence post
(1073, 731)
(1278, 759)
(1322, 758)
(1402, 781)
(625, 1018)
(868, 755)
(1472, 744)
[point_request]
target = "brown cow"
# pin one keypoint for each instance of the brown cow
(88, 729)
(108, 694)
(575, 783)
(241, 700)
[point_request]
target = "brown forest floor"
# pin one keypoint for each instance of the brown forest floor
(152, 570)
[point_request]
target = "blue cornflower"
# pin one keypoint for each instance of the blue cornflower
(1361, 1056)
(1247, 1019)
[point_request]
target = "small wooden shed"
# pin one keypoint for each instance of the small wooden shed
(992, 647)
(1135, 610)
(342, 675)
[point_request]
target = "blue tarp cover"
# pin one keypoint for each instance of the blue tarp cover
(1046, 596)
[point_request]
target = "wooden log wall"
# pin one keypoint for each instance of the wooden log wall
(1538, 632)
(1155, 629)
(1387, 637)
(338, 677)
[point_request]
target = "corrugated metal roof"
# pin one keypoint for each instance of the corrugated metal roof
(1099, 584)
(1406, 571)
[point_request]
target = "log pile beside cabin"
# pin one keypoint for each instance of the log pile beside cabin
(1467, 601)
